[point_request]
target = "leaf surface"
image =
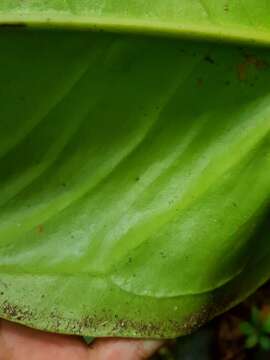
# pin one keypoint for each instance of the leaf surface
(234, 20)
(134, 170)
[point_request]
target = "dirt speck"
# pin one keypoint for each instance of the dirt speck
(249, 61)
(14, 312)
(242, 71)
(260, 64)
(40, 229)
(200, 82)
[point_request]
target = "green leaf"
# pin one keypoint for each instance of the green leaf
(233, 20)
(265, 343)
(252, 341)
(266, 325)
(256, 317)
(134, 170)
(246, 328)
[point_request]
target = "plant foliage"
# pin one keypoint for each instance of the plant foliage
(134, 169)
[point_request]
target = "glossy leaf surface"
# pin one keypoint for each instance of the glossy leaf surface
(134, 177)
(234, 20)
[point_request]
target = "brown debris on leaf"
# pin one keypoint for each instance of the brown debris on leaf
(200, 82)
(40, 229)
(258, 63)
(242, 71)
(249, 61)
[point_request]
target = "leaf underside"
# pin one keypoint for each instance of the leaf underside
(134, 179)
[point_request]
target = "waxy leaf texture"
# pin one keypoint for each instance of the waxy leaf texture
(134, 163)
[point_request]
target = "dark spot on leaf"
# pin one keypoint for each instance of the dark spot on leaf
(200, 82)
(209, 59)
(14, 312)
(242, 71)
(118, 326)
(250, 60)
(260, 64)
(40, 229)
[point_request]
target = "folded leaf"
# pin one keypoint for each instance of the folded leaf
(234, 20)
(134, 170)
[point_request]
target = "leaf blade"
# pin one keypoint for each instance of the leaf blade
(226, 21)
(132, 143)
